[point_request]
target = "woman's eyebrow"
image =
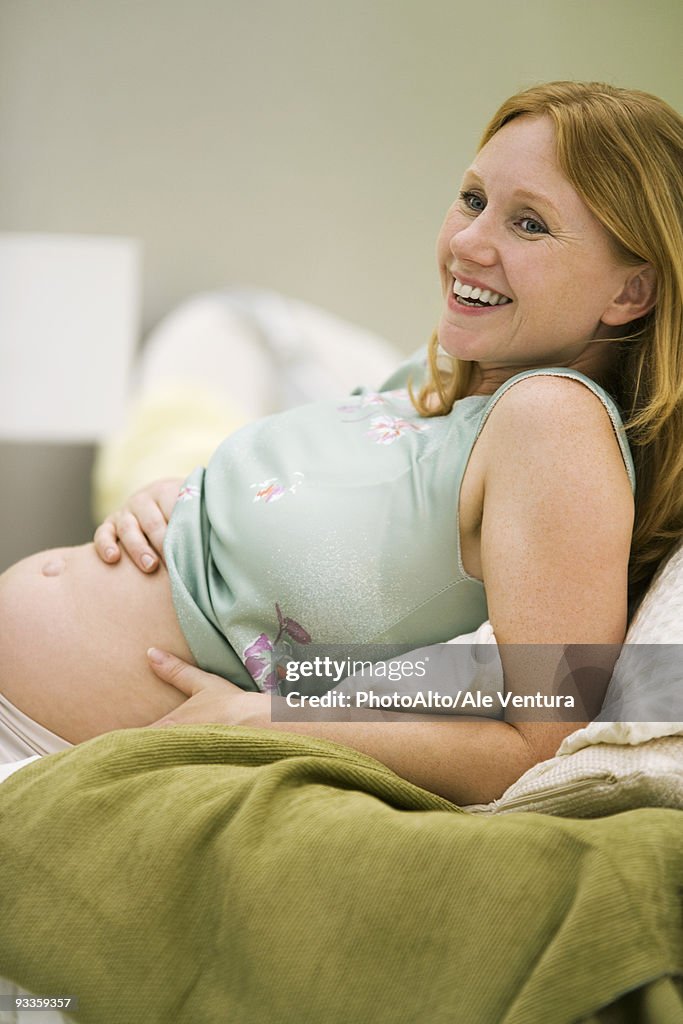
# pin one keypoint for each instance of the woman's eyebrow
(519, 193)
(534, 198)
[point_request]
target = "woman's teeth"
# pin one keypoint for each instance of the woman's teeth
(469, 296)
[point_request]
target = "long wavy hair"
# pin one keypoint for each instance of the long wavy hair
(622, 150)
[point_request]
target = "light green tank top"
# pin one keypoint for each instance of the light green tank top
(333, 523)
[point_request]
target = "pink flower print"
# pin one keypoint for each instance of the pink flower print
(371, 398)
(269, 490)
(257, 659)
(258, 656)
(273, 490)
(187, 493)
(387, 429)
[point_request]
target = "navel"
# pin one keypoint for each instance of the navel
(54, 567)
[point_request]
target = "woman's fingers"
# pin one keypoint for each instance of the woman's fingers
(210, 697)
(140, 526)
(105, 542)
(189, 679)
(124, 531)
(141, 533)
(185, 677)
(154, 525)
(133, 538)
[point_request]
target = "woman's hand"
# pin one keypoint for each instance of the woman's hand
(140, 526)
(210, 698)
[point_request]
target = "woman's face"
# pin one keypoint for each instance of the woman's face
(519, 229)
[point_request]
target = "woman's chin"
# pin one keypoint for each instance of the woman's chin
(459, 344)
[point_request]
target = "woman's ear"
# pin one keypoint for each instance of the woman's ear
(637, 297)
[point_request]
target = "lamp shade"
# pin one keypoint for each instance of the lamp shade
(69, 321)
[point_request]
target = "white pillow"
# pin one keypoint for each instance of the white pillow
(645, 696)
(632, 754)
(598, 780)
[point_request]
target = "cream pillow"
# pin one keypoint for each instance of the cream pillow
(632, 754)
(597, 780)
(644, 699)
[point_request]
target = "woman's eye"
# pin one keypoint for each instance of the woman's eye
(532, 226)
(473, 201)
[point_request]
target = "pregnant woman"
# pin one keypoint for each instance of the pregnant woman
(500, 485)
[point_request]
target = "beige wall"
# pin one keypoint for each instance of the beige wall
(303, 145)
(300, 144)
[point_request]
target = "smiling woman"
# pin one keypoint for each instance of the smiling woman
(502, 490)
(618, 152)
(520, 231)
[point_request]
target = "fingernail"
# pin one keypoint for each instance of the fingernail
(109, 552)
(147, 561)
(155, 655)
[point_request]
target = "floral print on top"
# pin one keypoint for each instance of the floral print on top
(187, 493)
(387, 429)
(371, 398)
(259, 655)
(384, 429)
(375, 398)
(273, 490)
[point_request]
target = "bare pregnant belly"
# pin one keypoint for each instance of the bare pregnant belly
(73, 639)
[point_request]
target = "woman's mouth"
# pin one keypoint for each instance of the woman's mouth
(467, 295)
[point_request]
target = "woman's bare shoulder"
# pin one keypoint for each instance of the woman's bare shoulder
(557, 436)
(543, 391)
(540, 413)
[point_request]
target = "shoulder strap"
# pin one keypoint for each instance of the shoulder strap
(610, 405)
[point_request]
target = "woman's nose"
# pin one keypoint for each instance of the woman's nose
(475, 242)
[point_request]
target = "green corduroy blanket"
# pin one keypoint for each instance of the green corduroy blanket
(207, 874)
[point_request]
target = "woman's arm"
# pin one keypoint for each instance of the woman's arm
(466, 760)
(555, 540)
(555, 536)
